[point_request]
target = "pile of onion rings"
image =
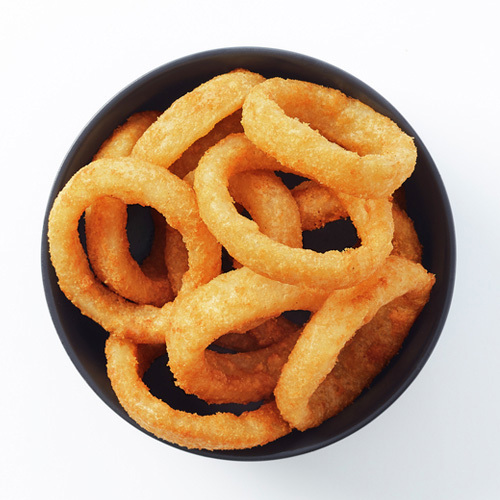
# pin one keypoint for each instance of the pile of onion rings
(227, 262)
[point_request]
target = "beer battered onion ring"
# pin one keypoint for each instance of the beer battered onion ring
(269, 202)
(176, 259)
(123, 139)
(108, 250)
(328, 330)
(377, 342)
(248, 245)
(134, 182)
(317, 205)
(268, 333)
(106, 237)
(221, 431)
(324, 135)
(272, 207)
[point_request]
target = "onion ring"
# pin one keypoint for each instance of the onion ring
(405, 241)
(176, 259)
(110, 258)
(221, 431)
(193, 116)
(249, 246)
(265, 196)
(342, 314)
(134, 182)
(269, 202)
(105, 230)
(364, 357)
(145, 136)
(271, 205)
(377, 342)
(123, 139)
(153, 265)
(274, 210)
(327, 136)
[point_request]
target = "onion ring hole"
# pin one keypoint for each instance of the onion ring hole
(160, 381)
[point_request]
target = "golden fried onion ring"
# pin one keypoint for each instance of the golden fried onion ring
(123, 139)
(221, 431)
(108, 248)
(343, 313)
(248, 245)
(193, 116)
(134, 182)
(322, 134)
(274, 210)
(268, 333)
(367, 354)
(317, 205)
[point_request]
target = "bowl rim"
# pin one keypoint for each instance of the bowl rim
(301, 60)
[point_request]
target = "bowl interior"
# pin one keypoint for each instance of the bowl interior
(427, 204)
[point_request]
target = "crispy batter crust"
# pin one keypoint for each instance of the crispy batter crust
(193, 116)
(221, 431)
(343, 313)
(249, 246)
(106, 236)
(134, 182)
(324, 135)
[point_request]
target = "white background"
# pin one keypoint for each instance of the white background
(436, 62)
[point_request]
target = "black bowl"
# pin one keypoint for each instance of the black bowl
(427, 204)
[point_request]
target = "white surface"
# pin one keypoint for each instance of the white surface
(436, 62)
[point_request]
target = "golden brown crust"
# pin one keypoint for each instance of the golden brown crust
(221, 431)
(320, 133)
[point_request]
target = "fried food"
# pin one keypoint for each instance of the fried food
(221, 431)
(190, 158)
(207, 166)
(368, 353)
(106, 236)
(134, 182)
(322, 134)
(232, 302)
(343, 313)
(249, 246)
(270, 204)
(193, 116)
